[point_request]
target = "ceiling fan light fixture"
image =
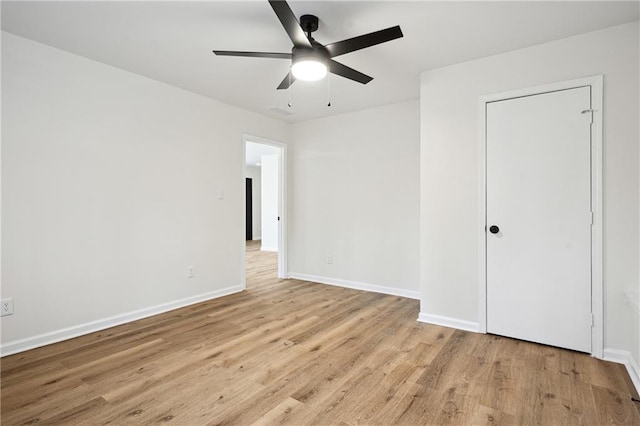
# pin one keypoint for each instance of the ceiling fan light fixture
(310, 60)
(309, 69)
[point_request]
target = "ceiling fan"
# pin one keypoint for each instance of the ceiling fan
(311, 60)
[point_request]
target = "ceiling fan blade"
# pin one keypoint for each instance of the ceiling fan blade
(253, 54)
(346, 72)
(290, 23)
(287, 81)
(363, 41)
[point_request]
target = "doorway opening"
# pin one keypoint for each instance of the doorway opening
(264, 173)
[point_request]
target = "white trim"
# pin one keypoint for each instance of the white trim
(449, 322)
(266, 248)
(16, 346)
(624, 357)
(597, 277)
(357, 285)
(597, 286)
(243, 186)
(282, 248)
(482, 216)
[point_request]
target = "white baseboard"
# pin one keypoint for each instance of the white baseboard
(449, 322)
(267, 248)
(21, 345)
(356, 285)
(624, 357)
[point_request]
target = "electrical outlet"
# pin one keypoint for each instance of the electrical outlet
(6, 307)
(191, 271)
(329, 259)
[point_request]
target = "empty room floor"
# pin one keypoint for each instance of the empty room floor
(293, 352)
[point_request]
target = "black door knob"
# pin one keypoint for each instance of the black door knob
(494, 229)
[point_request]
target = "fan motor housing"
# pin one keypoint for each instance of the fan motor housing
(318, 51)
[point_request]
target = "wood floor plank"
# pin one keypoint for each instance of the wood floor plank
(280, 414)
(615, 407)
(298, 353)
(74, 414)
(381, 395)
(45, 402)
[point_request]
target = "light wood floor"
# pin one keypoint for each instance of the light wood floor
(300, 353)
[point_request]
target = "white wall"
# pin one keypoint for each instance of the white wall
(255, 174)
(449, 168)
(270, 187)
(110, 187)
(354, 195)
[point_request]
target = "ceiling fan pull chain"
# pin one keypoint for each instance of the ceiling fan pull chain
(289, 91)
(328, 90)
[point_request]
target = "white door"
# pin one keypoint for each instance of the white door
(539, 197)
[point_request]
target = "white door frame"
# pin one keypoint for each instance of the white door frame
(282, 204)
(597, 286)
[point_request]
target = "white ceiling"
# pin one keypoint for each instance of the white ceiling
(172, 42)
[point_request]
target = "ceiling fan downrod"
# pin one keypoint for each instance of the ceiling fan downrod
(309, 24)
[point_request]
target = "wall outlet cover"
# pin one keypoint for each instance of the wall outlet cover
(6, 307)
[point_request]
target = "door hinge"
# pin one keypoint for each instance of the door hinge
(590, 112)
(592, 320)
(591, 218)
